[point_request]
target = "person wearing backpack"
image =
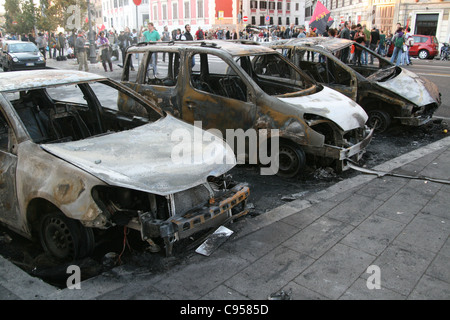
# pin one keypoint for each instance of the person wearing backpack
(409, 42)
(399, 41)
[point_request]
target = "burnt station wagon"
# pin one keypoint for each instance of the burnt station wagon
(387, 92)
(240, 85)
(71, 164)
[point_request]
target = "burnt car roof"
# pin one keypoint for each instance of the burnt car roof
(328, 43)
(234, 48)
(25, 80)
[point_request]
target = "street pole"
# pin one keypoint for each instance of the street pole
(92, 55)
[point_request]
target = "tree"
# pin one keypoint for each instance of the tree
(46, 17)
(12, 13)
(27, 19)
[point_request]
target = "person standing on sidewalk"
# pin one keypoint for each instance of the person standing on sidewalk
(105, 52)
(126, 40)
(41, 43)
(374, 41)
(61, 44)
(399, 41)
(409, 42)
(187, 36)
(80, 45)
(151, 35)
(165, 37)
(52, 46)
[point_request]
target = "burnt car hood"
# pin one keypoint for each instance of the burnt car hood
(141, 158)
(412, 87)
(332, 105)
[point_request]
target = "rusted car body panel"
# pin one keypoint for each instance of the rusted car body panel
(405, 96)
(121, 173)
(185, 94)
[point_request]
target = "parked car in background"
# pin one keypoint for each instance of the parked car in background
(243, 85)
(388, 93)
(20, 55)
(72, 164)
(425, 47)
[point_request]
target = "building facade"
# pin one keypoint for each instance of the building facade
(427, 17)
(117, 14)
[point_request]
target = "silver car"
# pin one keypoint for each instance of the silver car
(71, 163)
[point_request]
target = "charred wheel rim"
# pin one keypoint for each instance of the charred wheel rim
(380, 120)
(291, 160)
(65, 238)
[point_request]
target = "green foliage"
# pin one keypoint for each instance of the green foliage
(22, 16)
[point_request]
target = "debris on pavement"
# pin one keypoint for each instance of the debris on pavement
(214, 241)
(281, 295)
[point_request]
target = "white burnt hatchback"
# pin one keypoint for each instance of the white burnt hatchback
(71, 163)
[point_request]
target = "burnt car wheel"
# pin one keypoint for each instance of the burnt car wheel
(65, 238)
(423, 54)
(381, 120)
(291, 160)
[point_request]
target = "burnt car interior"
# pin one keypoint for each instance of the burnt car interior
(48, 119)
(223, 81)
(162, 77)
(274, 75)
(328, 71)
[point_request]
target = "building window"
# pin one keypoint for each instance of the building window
(253, 20)
(261, 20)
(288, 22)
(155, 13)
(279, 21)
(175, 10)
(186, 10)
(199, 8)
(297, 6)
(254, 5)
(164, 11)
(279, 5)
(115, 3)
(263, 5)
(271, 5)
(288, 6)
(296, 21)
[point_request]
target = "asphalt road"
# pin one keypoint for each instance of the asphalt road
(438, 72)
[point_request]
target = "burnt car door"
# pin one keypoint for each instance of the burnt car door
(156, 78)
(8, 164)
(217, 93)
(327, 69)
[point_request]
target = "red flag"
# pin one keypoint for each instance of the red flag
(320, 18)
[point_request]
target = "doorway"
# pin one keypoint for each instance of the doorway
(426, 24)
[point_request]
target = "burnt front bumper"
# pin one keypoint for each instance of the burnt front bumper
(354, 152)
(228, 206)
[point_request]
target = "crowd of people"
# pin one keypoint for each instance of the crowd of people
(110, 43)
(376, 41)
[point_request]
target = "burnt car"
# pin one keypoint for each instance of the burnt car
(20, 55)
(72, 164)
(387, 92)
(242, 85)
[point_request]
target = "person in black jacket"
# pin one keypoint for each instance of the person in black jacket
(187, 36)
(126, 40)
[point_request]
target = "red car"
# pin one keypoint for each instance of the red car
(425, 47)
